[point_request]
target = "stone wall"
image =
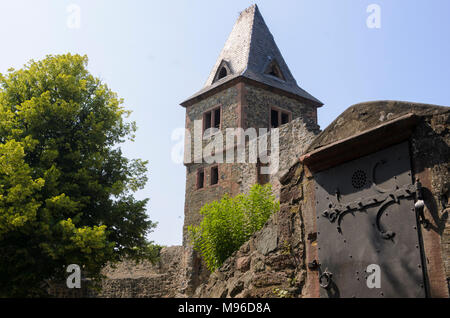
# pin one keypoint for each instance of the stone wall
(195, 198)
(295, 138)
(259, 101)
(169, 277)
(235, 178)
(176, 274)
(245, 106)
(430, 148)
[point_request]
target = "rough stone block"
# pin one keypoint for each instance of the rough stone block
(267, 241)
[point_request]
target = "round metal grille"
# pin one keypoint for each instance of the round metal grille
(359, 179)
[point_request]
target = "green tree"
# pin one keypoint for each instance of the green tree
(66, 190)
(227, 224)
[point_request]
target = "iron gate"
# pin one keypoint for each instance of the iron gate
(366, 218)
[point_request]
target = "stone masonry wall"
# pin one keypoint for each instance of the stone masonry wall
(244, 106)
(235, 178)
(167, 278)
(431, 164)
(195, 198)
(259, 102)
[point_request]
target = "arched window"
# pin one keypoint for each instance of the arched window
(222, 71)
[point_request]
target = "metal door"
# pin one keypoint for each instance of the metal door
(366, 218)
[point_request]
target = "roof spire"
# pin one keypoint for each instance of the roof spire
(251, 52)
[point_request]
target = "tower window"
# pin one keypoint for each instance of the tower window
(223, 73)
(274, 70)
(274, 118)
(207, 120)
(214, 175)
(200, 179)
(279, 117)
(217, 118)
(284, 118)
(212, 119)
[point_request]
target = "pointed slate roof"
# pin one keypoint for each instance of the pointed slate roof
(248, 52)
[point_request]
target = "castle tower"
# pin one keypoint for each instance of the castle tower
(249, 86)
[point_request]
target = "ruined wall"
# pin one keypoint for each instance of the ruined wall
(430, 146)
(169, 277)
(295, 138)
(272, 262)
(176, 274)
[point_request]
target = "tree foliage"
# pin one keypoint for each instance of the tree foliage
(230, 222)
(66, 190)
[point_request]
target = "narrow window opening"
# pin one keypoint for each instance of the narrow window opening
(212, 119)
(284, 118)
(207, 120)
(278, 118)
(274, 118)
(200, 179)
(217, 118)
(214, 175)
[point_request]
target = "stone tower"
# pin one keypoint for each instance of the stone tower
(249, 86)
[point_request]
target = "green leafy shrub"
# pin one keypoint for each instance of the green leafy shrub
(66, 189)
(227, 224)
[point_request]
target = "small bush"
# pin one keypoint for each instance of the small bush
(229, 223)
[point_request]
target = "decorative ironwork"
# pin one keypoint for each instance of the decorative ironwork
(374, 182)
(384, 207)
(337, 211)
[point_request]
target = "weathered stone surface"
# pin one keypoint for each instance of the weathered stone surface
(275, 258)
(243, 264)
(267, 242)
(236, 288)
(177, 274)
(364, 116)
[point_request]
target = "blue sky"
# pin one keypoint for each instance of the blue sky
(155, 54)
